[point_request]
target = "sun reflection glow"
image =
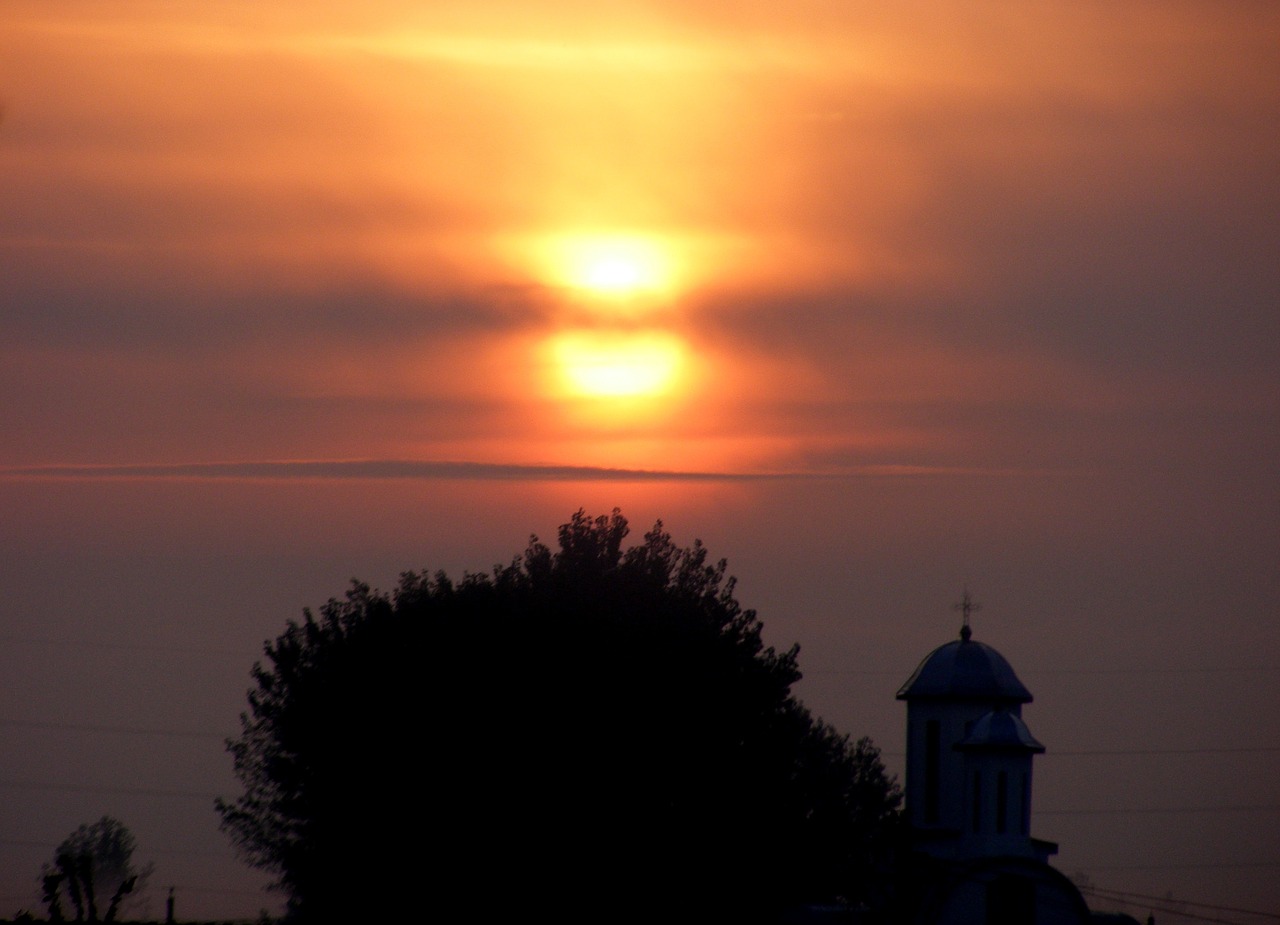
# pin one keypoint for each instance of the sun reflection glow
(593, 364)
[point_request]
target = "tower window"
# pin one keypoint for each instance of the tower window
(977, 801)
(1026, 803)
(1002, 802)
(932, 769)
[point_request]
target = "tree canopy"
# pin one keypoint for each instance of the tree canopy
(95, 866)
(594, 732)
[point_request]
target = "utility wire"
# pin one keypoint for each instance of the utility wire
(1121, 894)
(199, 795)
(1052, 753)
(1168, 910)
(104, 645)
(158, 852)
(78, 643)
(119, 730)
(1190, 915)
(127, 791)
(1155, 810)
(1140, 752)
(1249, 865)
(1208, 750)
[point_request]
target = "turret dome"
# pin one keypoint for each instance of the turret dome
(965, 670)
(1000, 730)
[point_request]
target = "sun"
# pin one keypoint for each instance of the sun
(613, 266)
(613, 273)
(617, 352)
(612, 364)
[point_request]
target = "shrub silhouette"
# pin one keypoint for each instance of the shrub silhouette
(593, 733)
(94, 862)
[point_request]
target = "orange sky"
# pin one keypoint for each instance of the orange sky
(858, 217)
(983, 275)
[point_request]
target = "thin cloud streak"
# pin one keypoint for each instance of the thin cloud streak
(423, 469)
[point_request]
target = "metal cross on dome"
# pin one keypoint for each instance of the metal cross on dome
(966, 606)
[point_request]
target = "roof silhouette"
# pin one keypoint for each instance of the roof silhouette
(1000, 730)
(968, 670)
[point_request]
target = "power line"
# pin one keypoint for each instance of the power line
(1156, 810)
(1052, 753)
(1190, 669)
(126, 791)
(1207, 750)
(1169, 910)
(158, 852)
(1047, 672)
(1139, 752)
(1183, 902)
(1250, 865)
(118, 730)
(105, 644)
(1190, 915)
(80, 643)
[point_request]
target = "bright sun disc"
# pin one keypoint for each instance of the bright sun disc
(618, 365)
(613, 274)
(614, 266)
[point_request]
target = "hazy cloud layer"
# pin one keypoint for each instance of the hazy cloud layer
(1078, 204)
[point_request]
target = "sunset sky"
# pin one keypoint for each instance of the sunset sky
(879, 300)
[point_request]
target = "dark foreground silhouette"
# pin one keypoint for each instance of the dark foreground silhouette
(589, 734)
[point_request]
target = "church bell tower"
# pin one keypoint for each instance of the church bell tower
(968, 780)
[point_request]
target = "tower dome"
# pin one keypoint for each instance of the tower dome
(1000, 730)
(965, 670)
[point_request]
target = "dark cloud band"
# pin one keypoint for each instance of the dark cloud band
(418, 469)
(366, 469)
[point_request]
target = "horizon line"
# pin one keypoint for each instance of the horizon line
(450, 469)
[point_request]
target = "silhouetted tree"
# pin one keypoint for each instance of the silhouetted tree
(67, 864)
(591, 733)
(52, 883)
(96, 857)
